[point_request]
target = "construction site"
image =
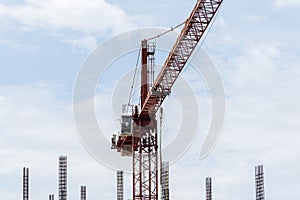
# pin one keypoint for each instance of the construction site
(140, 137)
(164, 189)
(149, 100)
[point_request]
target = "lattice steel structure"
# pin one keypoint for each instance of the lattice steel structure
(25, 183)
(62, 178)
(165, 181)
(120, 186)
(144, 142)
(51, 196)
(259, 182)
(208, 183)
(194, 29)
(144, 138)
(83, 192)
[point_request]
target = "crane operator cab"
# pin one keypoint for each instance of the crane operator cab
(122, 141)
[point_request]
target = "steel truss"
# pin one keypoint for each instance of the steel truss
(144, 138)
(194, 29)
(145, 163)
(259, 182)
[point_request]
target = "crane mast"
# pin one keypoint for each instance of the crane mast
(143, 141)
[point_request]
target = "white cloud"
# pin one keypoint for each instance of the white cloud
(220, 22)
(36, 126)
(94, 16)
(78, 23)
(261, 127)
(261, 81)
(283, 3)
(252, 17)
(86, 42)
(17, 45)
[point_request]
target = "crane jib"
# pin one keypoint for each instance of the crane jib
(194, 28)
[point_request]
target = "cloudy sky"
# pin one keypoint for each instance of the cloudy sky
(253, 44)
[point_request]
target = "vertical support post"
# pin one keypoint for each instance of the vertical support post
(144, 142)
(155, 147)
(62, 178)
(25, 183)
(160, 141)
(144, 73)
(165, 181)
(140, 195)
(120, 185)
(51, 196)
(208, 188)
(136, 159)
(83, 193)
(259, 182)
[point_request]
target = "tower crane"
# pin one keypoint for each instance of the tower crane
(139, 137)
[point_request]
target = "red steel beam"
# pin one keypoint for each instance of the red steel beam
(195, 27)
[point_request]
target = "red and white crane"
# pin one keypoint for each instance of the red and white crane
(139, 137)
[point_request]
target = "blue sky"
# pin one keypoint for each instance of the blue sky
(253, 44)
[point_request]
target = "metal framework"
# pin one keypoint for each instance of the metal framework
(145, 179)
(25, 183)
(194, 29)
(259, 182)
(165, 181)
(120, 190)
(208, 188)
(62, 178)
(83, 193)
(144, 142)
(51, 196)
